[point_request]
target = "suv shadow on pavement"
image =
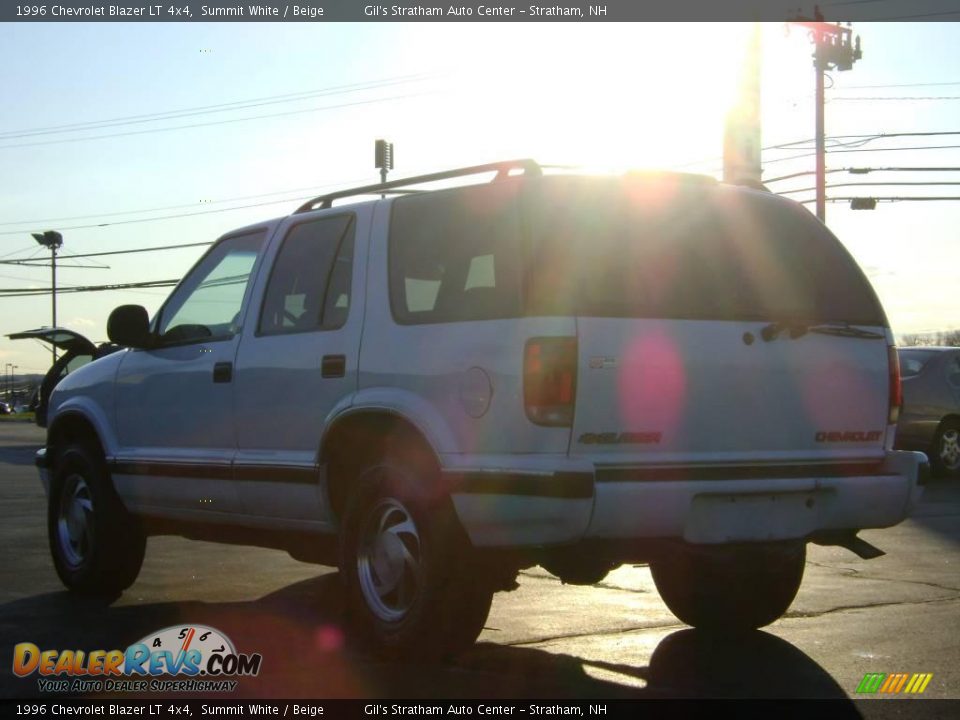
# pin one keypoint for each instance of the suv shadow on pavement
(298, 630)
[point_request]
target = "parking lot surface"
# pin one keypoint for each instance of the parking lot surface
(898, 613)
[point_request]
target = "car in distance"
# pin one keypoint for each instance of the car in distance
(930, 416)
(438, 387)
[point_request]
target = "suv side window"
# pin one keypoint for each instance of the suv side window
(309, 287)
(455, 255)
(953, 371)
(206, 305)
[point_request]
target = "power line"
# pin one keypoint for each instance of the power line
(900, 85)
(41, 263)
(842, 98)
(29, 292)
(217, 122)
(116, 252)
(832, 138)
(14, 252)
(53, 221)
(208, 109)
(863, 171)
(863, 150)
(873, 136)
(299, 198)
(932, 198)
(166, 217)
(861, 184)
(140, 250)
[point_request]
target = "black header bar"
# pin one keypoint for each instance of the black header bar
(181, 11)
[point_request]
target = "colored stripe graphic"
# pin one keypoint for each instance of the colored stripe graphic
(871, 682)
(893, 683)
(918, 683)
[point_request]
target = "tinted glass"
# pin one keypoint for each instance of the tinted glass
(687, 250)
(953, 371)
(309, 287)
(207, 303)
(912, 361)
(455, 255)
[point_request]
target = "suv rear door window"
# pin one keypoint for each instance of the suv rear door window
(309, 286)
(455, 255)
(912, 361)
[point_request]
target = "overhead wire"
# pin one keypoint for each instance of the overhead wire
(864, 150)
(356, 103)
(208, 109)
(312, 189)
(863, 184)
(900, 85)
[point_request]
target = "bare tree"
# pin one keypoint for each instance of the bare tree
(943, 338)
(949, 337)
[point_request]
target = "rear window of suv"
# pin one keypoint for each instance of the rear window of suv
(687, 250)
(615, 247)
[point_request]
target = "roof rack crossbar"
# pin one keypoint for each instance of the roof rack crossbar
(503, 170)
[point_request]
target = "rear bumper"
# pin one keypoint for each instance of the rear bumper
(707, 505)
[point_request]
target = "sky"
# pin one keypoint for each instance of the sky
(200, 120)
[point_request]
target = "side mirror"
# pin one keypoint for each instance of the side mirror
(129, 326)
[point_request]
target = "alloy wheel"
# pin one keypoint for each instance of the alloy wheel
(389, 561)
(75, 521)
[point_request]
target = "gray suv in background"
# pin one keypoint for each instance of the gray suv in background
(930, 417)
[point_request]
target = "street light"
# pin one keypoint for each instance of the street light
(53, 240)
(10, 374)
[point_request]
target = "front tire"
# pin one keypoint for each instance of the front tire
(96, 545)
(945, 457)
(730, 588)
(407, 566)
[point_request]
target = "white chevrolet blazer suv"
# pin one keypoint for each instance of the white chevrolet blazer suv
(437, 387)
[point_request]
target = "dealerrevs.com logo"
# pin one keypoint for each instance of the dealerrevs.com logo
(204, 655)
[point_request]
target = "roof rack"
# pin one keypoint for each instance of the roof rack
(750, 183)
(503, 170)
(670, 174)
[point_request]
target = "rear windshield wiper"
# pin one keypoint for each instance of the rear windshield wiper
(798, 329)
(845, 330)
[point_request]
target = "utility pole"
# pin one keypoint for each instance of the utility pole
(834, 50)
(53, 240)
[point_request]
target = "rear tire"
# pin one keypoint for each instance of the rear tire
(97, 546)
(730, 588)
(407, 567)
(945, 455)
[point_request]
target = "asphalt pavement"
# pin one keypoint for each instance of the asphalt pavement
(896, 614)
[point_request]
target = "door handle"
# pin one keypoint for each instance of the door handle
(333, 366)
(223, 372)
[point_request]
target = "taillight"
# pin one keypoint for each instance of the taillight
(896, 389)
(550, 380)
